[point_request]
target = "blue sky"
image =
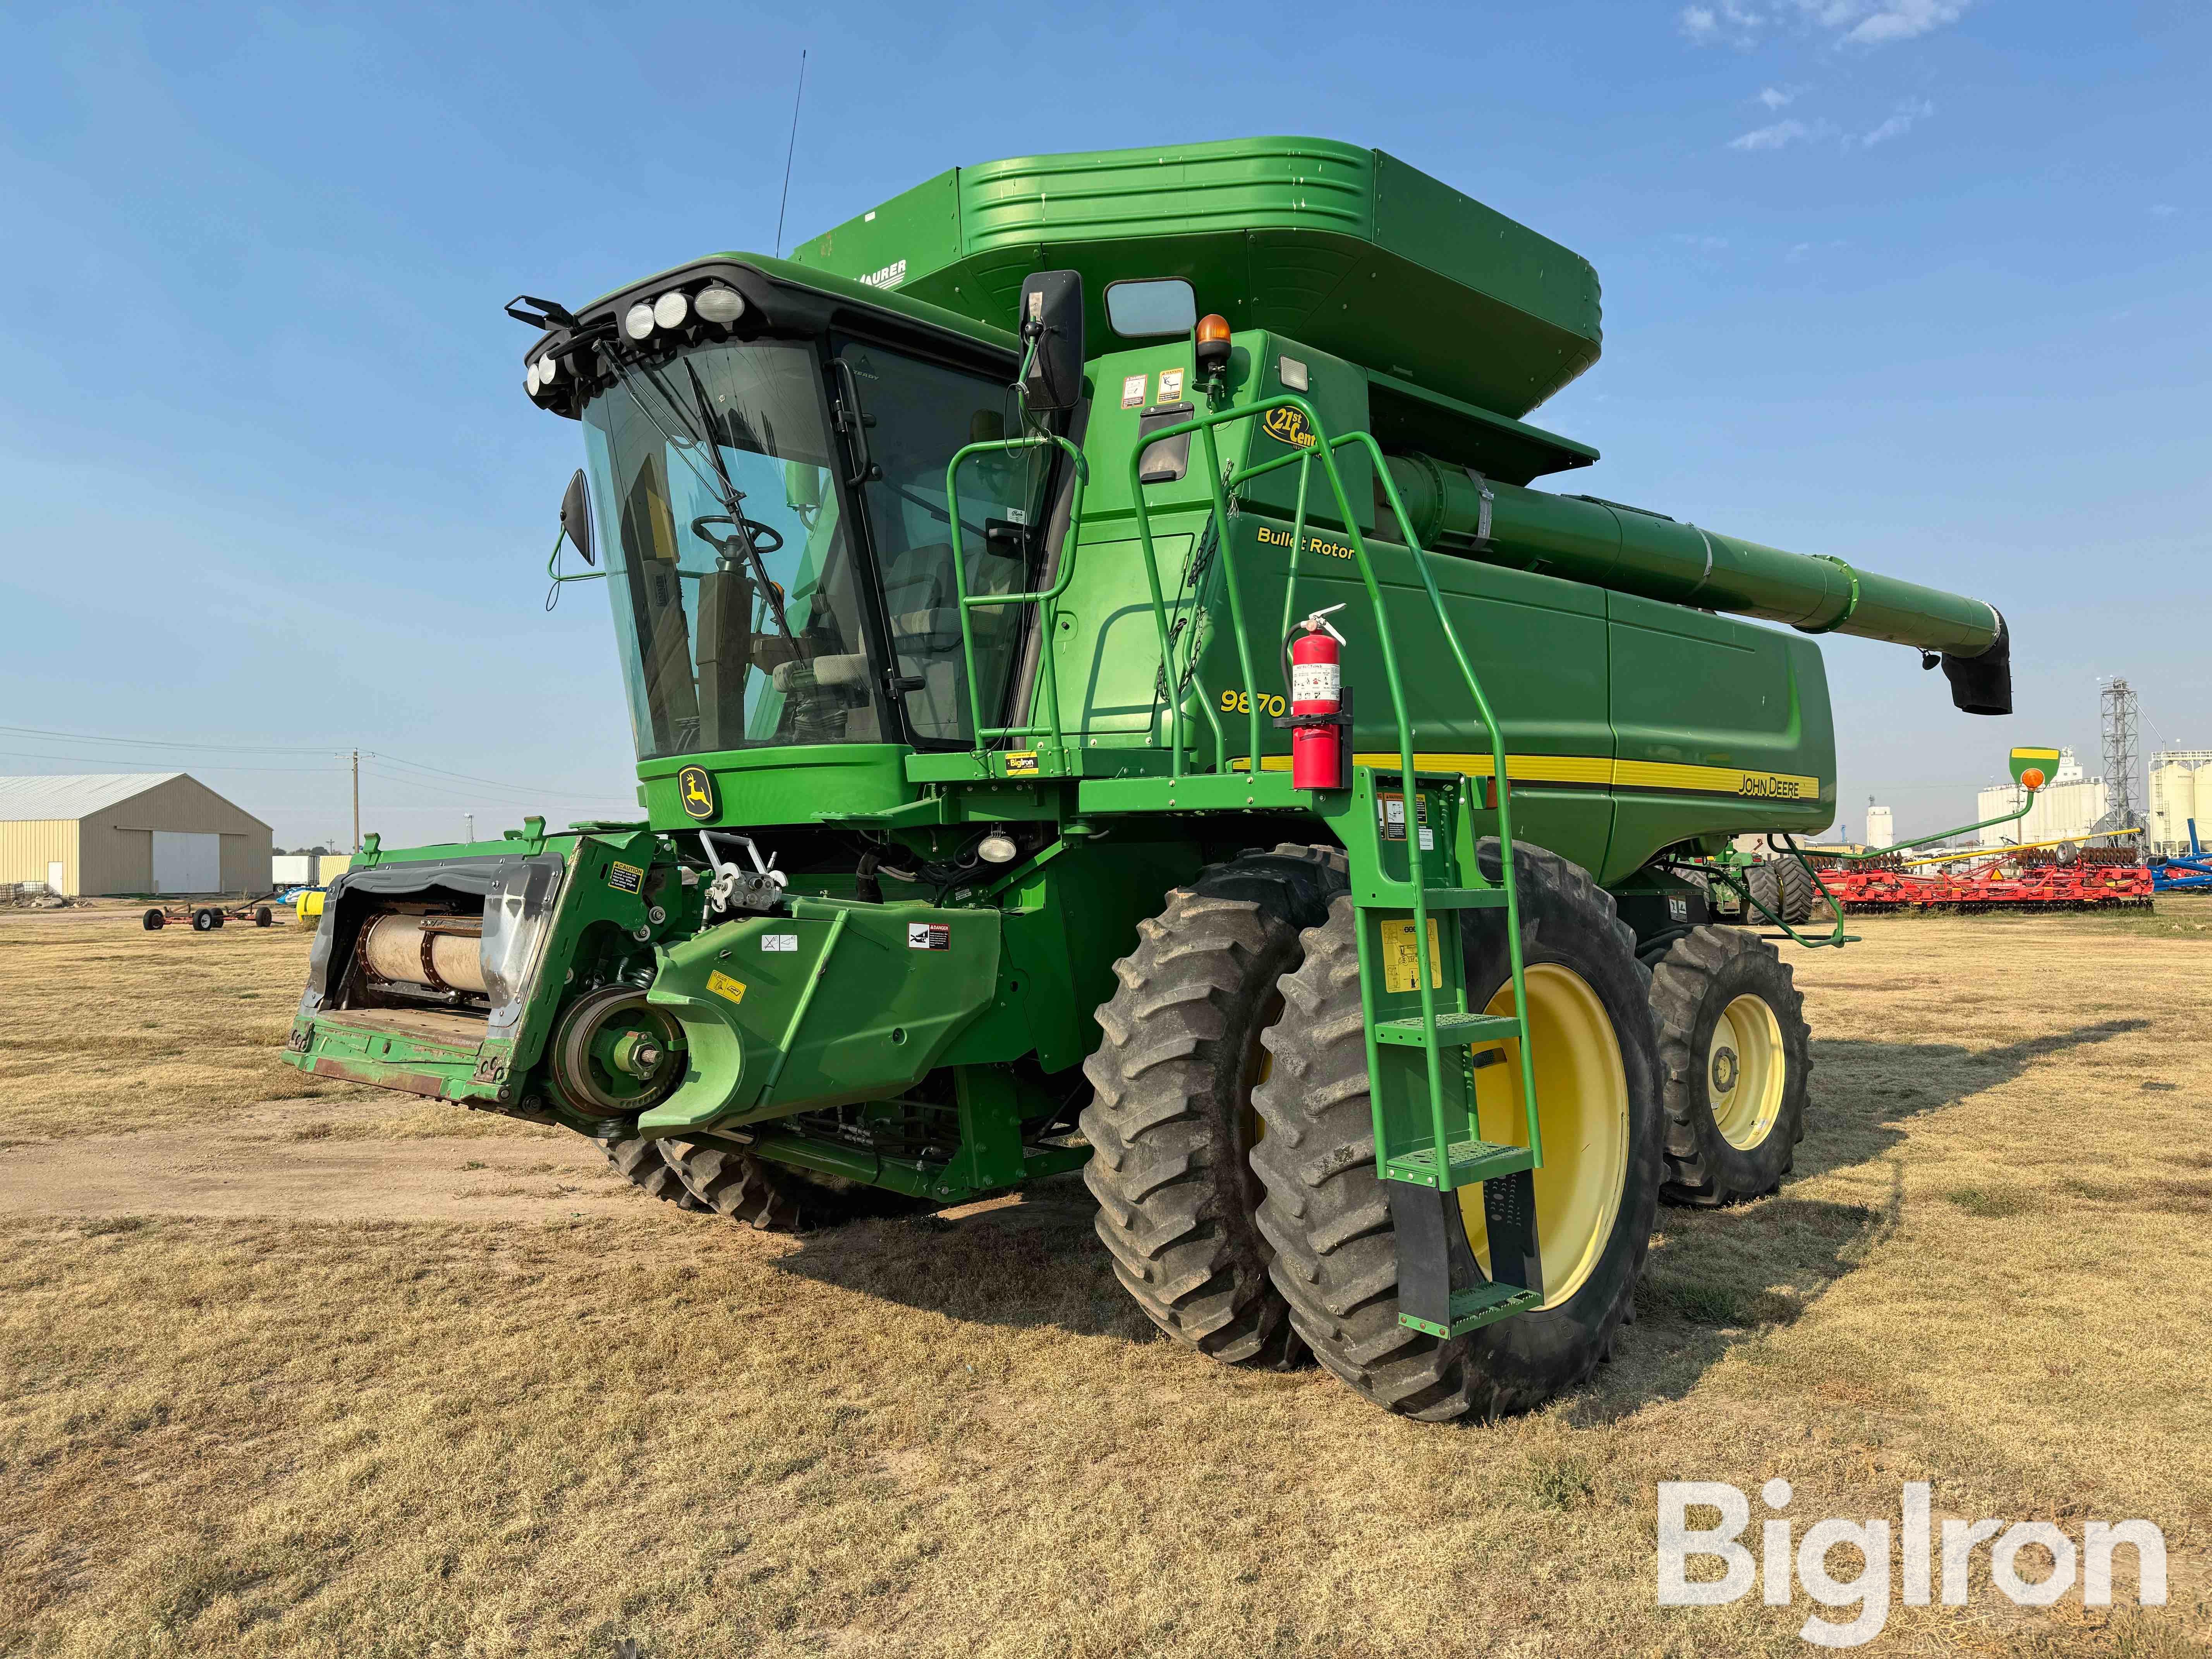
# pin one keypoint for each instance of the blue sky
(1918, 282)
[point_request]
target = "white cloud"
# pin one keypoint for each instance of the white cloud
(2163, 209)
(1776, 97)
(1773, 137)
(1855, 22)
(1902, 19)
(1729, 21)
(1898, 124)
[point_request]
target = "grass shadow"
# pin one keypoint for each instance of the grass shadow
(1862, 1091)
(1031, 1261)
(1718, 1279)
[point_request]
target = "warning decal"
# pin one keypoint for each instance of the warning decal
(1399, 961)
(929, 936)
(625, 877)
(733, 990)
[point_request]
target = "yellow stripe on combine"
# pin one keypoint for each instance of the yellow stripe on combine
(1594, 770)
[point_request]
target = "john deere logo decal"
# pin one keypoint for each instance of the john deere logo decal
(695, 788)
(1289, 425)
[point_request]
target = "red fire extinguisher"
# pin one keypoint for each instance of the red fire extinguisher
(1317, 702)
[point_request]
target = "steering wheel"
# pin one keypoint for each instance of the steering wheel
(766, 539)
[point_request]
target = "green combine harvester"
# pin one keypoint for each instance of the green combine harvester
(974, 573)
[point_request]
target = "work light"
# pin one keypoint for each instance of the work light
(719, 304)
(637, 322)
(670, 308)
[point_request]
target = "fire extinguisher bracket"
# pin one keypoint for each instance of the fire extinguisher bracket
(1342, 717)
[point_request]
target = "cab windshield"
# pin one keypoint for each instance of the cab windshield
(765, 623)
(737, 627)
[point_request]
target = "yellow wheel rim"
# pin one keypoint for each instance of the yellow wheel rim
(1745, 1071)
(1582, 1107)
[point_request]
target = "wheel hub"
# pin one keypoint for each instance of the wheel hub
(1747, 1069)
(1726, 1068)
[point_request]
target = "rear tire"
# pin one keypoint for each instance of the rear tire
(1327, 1213)
(202, 921)
(152, 921)
(1172, 1125)
(261, 918)
(1735, 1054)
(1785, 888)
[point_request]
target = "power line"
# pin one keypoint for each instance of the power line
(172, 742)
(336, 751)
(112, 760)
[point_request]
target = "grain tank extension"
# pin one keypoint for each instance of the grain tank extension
(973, 574)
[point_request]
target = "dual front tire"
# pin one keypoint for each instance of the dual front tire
(1234, 1069)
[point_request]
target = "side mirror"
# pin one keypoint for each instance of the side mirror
(576, 517)
(1050, 319)
(2032, 768)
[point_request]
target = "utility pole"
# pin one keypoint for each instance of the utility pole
(470, 819)
(356, 800)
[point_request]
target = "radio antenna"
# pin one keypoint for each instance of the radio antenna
(789, 151)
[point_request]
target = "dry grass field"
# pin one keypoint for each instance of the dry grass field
(294, 1368)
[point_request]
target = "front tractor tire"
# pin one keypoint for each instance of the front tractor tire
(1172, 1125)
(646, 1166)
(1734, 1051)
(1327, 1214)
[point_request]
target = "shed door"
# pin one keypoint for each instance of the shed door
(186, 864)
(54, 875)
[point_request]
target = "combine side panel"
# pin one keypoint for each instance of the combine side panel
(1722, 727)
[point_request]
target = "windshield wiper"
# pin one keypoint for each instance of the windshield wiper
(734, 498)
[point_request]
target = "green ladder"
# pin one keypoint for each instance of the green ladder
(1413, 849)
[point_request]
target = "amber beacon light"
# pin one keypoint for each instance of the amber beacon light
(1212, 345)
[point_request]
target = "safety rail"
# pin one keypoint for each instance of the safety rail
(1042, 599)
(1322, 449)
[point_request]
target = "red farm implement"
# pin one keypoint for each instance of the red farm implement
(2001, 882)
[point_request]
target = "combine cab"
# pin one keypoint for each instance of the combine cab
(1106, 695)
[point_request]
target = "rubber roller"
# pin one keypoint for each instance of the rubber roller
(426, 950)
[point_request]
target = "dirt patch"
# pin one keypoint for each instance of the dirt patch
(309, 1175)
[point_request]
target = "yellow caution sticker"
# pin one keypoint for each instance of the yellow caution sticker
(733, 990)
(1399, 962)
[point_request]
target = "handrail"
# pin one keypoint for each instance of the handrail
(1323, 448)
(1041, 600)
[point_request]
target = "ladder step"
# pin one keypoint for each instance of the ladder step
(1463, 1030)
(1477, 1305)
(1398, 895)
(1471, 1161)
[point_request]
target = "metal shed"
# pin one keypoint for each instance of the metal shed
(129, 832)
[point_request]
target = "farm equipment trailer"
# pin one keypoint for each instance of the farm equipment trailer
(1009, 805)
